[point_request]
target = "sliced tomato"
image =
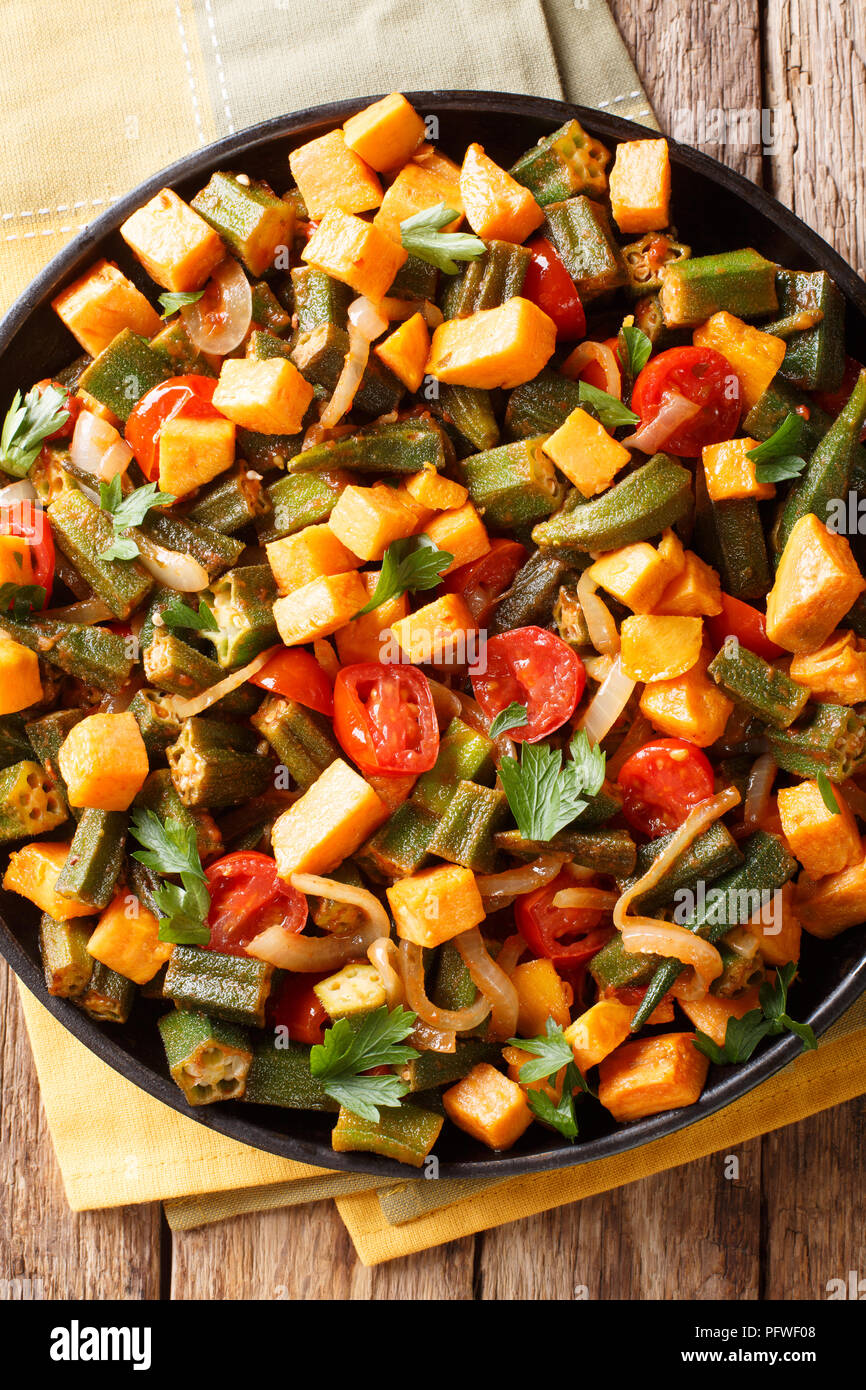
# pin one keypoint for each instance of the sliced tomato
(30, 520)
(567, 936)
(548, 284)
(295, 1007)
(532, 667)
(482, 582)
(296, 675)
(246, 897)
(384, 718)
(661, 783)
(833, 401)
(703, 376)
(747, 624)
(188, 396)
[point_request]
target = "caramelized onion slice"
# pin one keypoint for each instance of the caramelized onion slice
(491, 981)
(458, 1020)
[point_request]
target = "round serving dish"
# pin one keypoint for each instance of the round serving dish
(715, 208)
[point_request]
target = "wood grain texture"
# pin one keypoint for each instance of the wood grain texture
(815, 84)
(701, 67)
(47, 1251)
(690, 1233)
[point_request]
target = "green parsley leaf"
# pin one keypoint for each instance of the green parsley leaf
(551, 1052)
(345, 1054)
(778, 458)
(23, 599)
(609, 411)
(28, 423)
(828, 796)
(543, 795)
(127, 511)
(742, 1035)
(514, 716)
(178, 614)
(407, 567)
(560, 1117)
(422, 236)
(173, 300)
(634, 349)
(171, 848)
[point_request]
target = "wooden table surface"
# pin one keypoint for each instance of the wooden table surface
(793, 1218)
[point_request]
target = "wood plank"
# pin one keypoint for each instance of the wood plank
(701, 69)
(305, 1253)
(815, 1203)
(47, 1251)
(620, 1244)
(815, 57)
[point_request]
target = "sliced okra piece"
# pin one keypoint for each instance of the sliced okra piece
(761, 689)
(645, 257)
(299, 500)
(242, 603)
(108, 997)
(581, 233)
(302, 739)
(470, 410)
(606, 851)
(232, 988)
(83, 531)
(124, 372)
(712, 854)
(403, 1132)
(175, 666)
(178, 351)
(268, 311)
(208, 1058)
(158, 724)
(464, 834)
(213, 550)
(563, 164)
(832, 739)
(815, 358)
(14, 742)
(831, 472)
(66, 961)
(215, 764)
(280, 1075)
(406, 446)
(231, 501)
(540, 406)
(741, 282)
(46, 735)
(31, 802)
(486, 282)
(249, 217)
(514, 485)
(95, 858)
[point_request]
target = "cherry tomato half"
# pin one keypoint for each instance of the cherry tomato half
(482, 582)
(246, 897)
(544, 926)
(187, 396)
(29, 520)
(534, 668)
(701, 375)
(384, 718)
(747, 624)
(295, 1007)
(548, 284)
(661, 783)
(296, 675)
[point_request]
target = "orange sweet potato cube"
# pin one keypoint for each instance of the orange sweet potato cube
(423, 183)
(176, 247)
(329, 822)
(34, 870)
(817, 581)
(319, 608)
(435, 904)
(730, 473)
(386, 133)
(103, 762)
(824, 842)
(461, 532)
(102, 302)
(496, 205)
(583, 450)
(835, 672)
(357, 253)
(405, 351)
(778, 931)
(640, 186)
(439, 631)
(367, 637)
(126, 939)
(693, 593)
(331, 175)
(598, 1030)
(307, 555)
(495, 347)
(489, 1106)
(711, 1014)
(690, 706)
(269, 397)
(650, 1075)
(368, 519)
(541, 995)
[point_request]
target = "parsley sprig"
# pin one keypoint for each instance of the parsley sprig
(779, 457)
(407, 567)
(514, 716)
(633, 349)
(23, 599)
(126, 512)
(422, 236)
(171, 849)
(544, 795)
(28, 423)
(178, 614)
(173, 300)
(551, 1052)
(608, 410)
(742, 1035)
(341, 1060)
